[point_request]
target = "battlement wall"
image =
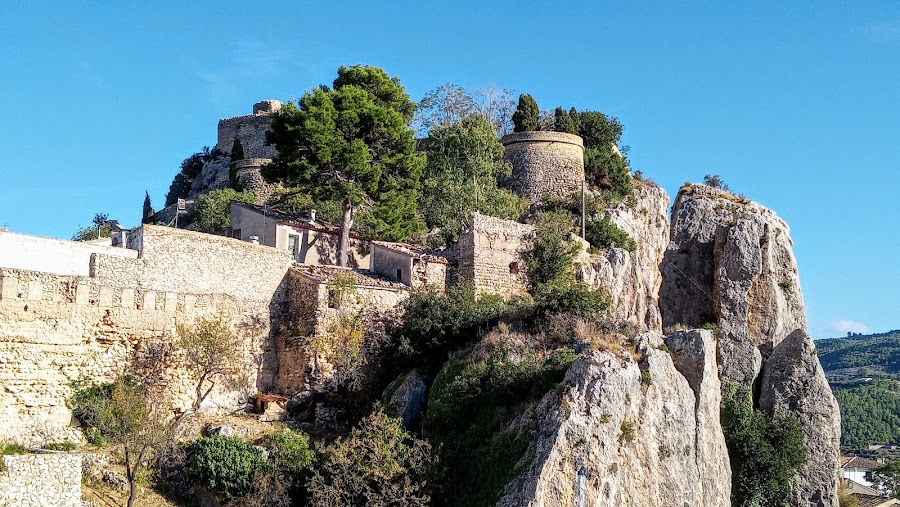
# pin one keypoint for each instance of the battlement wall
(544, 163)
(122, 317)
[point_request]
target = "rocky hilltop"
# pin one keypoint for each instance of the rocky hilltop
(644, 428)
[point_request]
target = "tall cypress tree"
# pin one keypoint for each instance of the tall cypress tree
(147, 216)
(526, 116)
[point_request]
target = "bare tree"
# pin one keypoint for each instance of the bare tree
(450, 103)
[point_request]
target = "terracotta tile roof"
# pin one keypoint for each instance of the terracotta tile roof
(857, 462)
(363, 277)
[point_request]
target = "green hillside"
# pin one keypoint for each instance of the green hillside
(864, 373)
(878, 352)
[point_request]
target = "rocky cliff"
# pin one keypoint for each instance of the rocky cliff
(730, 263)
(626, 431)
(633, 278)
(644, 428)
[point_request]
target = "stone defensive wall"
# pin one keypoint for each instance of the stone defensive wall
(250, 129)
(122, 317)
(57, 256)
(544, 163)
(492, 254)
(40, 480)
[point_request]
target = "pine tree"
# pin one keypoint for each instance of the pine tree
(147, 217)
(351, 143)
(563, 122)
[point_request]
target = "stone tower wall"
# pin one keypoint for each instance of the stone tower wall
(544, 163)
(250, 179)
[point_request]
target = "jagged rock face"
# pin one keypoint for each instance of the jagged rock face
(730, 262)
(633, 279)
(793, 383)
(213, 176)
(614, 436)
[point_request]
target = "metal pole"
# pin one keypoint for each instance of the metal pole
(583, 225)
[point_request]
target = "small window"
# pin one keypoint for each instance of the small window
(514, 267)
(236, 234)
(293, 240)
(399, 275)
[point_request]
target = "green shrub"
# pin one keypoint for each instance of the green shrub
(10, 448)
(434, 324)
(213, 211)
(603, 234)
(470, 408)
(552, 254)
(60, 446)
(224, 464)
(627, 432)
(290, 453)
(607, 170)
(765, 451)
(378, 463)
(569, 296)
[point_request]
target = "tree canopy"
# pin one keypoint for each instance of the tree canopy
(352, 143)
(465, 160)
(526, 116)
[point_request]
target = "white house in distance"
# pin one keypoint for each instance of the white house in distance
(854, 468)
(312, 241)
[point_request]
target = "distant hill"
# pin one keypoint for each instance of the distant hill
(864, 373)
(878, 352)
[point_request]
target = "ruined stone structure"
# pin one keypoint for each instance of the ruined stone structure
(250, 129)
(492, 255)
(40, 480)
(415, 267)
(544, 163)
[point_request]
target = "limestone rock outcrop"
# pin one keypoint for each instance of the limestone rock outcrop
(406, 398)
(626, 433)
(794, 383)
(730, 263)
(633, 279)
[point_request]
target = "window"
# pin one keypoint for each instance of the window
(399, 275)
(293, 240)
(514, 268)
(236, 234)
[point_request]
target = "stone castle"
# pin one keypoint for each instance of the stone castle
(73, 309)
(70, 310)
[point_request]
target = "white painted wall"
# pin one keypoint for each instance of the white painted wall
(61, 257)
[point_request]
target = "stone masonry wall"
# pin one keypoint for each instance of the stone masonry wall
(250, 179)
(40, 480)
(492, 255)
(544, 163)
(56, 328)
(299, 367)
(251, 130)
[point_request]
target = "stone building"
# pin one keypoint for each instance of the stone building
(310, 240)
(412, 266)
(492, 255)
(250, 129)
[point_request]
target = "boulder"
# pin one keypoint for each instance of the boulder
(794, 384)
(406, 398)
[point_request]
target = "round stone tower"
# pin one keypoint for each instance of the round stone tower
(544, 163)
(247, 173)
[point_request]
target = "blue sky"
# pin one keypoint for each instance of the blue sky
(796, 105)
